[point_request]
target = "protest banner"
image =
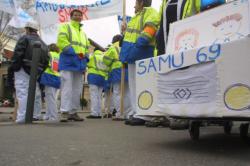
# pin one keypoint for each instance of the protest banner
(52, 13)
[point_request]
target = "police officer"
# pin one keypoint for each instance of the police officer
(51, 80)
(138, 43)
(73, 44)
(97, 76)
(21, 65)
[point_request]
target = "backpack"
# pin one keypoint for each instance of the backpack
(44, 58)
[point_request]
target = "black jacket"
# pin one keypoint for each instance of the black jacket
(171, 16)
(22, 56)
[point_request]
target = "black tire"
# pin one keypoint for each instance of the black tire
(194, 130)
(228, 127)
(244, 131)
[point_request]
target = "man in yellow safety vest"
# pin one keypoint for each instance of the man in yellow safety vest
(73, 44)
(138, 43)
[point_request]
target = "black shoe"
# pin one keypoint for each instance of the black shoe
(93, 117)
(64, 117)
(117, 119)
(163, 122)
(114, 112)
(179, 124)
(75, 117)
(136, 122)
(35, 119)
(127, 121)
(107, 116)
(152, 124)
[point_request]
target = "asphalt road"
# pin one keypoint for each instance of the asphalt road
(108, 143)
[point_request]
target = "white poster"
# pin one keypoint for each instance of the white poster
(101, 32)
(217, 87)
(96, 29)
(222, 24)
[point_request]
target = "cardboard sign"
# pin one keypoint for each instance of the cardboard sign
(222, 24)
(216, 82)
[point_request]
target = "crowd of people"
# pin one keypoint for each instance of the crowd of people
(63, 63)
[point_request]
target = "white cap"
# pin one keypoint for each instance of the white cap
(34, 25)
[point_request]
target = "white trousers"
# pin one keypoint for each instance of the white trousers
(96, 99)
(108, 102)
(71, 89)
(51, 104)
(22, 87)
(132, 87)
(117, 100)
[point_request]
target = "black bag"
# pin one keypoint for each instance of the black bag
(44, 59)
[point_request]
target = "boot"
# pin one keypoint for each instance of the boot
(75, 117)
(64, 117)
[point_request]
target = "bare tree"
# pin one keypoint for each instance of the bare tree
(4, 39)
(7, 32)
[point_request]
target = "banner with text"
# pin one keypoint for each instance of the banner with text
(52, 14)
(207, 82)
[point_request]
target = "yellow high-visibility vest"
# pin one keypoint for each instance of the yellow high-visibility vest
(111, 57)
(96, 65)
(148, 16)
(71, 35)
(53, 65)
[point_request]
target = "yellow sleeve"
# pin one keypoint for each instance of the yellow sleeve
(63, 37)
(151, 23)
(108, 56)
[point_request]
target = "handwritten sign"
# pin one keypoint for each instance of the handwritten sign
(210, 27)
(209, 81)
(54, 13)
(166, 63)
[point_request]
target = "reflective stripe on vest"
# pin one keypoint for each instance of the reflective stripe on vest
(100, 66)
(138, 31)
(79, 47)
(96, 64)
(147, 17)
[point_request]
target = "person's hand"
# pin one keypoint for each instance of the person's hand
(124, 27)
(81, 55)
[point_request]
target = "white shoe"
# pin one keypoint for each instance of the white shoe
(20, 121)
(45, 117)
